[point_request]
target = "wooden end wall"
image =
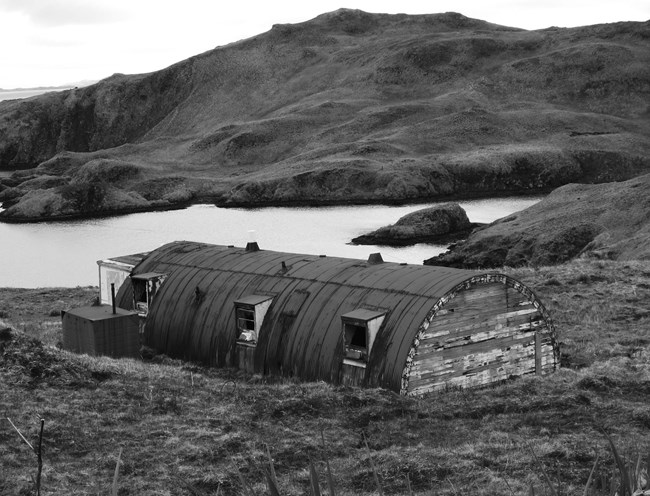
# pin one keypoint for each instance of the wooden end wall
(484, 332)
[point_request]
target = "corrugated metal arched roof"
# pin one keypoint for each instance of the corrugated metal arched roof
(302, 332)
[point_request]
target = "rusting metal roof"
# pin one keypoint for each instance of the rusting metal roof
(301, 333)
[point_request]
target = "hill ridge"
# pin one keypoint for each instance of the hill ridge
(348, 106)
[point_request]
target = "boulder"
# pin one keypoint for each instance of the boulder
(434, 224)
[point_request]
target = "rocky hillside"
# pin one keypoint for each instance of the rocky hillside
(347, 107)
(606, 221)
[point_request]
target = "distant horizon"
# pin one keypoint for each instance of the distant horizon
(55, 87)
(52, 45)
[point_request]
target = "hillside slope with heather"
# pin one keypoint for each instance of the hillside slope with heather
(346, 107)
(604, 221)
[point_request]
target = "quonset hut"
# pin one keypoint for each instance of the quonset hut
(411, 329)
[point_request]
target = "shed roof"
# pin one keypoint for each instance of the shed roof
(128, 260)
(99, 312)
(147, 275)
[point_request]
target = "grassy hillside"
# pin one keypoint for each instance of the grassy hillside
(348, 106)
(607, 221)
(185, 429)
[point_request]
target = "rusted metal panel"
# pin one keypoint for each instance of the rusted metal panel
(319, 344)
(278, 329)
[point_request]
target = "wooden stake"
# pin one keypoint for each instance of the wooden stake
(39, 455)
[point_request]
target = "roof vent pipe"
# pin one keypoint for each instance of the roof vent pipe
(113, 297)
(252, 242)
(375, 258)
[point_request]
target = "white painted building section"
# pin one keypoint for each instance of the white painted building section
(115, 271)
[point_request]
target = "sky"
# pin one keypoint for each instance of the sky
(62, 42)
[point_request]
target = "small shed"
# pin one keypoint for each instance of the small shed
(96, 330)
(409, 328)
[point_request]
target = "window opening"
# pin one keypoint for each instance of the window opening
(246, 324)
(360, 328)
(145, 287)
(140, 294)
(249, 316)
(355, 341)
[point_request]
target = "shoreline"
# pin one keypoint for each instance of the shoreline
(315, 203)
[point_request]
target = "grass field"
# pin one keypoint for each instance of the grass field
(183, 429)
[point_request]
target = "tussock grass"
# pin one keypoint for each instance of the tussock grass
(184, 429)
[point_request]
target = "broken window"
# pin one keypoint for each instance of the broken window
(140, 294)
(145, 287)
(249, 316)
(246, 322)
(355, 341)
(360, 329)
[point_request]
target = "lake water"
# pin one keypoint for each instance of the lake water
(66, 253)
(26, 93)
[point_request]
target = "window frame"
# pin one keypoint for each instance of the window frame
(245, 318)
(361, 320)
(256, 306)
(145, 286)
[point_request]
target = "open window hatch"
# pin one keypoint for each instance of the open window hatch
(145, 287)
(249, 315)
(360, 329)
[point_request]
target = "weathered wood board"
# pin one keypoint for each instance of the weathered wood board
(486, 333)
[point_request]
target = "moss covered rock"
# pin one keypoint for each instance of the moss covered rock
(426, 225)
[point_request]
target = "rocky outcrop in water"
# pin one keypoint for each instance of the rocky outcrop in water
(435, 224)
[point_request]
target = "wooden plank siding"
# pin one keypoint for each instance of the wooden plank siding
(486, 333)
(351, 375)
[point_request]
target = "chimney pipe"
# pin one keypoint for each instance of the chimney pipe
(375, 258)
(113, 296)
(252, 242)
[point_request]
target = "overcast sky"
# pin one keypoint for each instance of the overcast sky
(57, 42)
